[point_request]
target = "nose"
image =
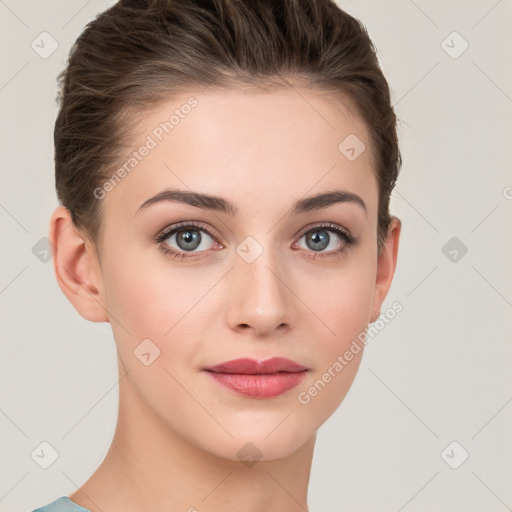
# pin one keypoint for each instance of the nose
(260, 298)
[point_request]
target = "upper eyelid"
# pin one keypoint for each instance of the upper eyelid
(171, 229)
(323, 225)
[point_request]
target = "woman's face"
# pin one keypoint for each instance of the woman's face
(263, 279)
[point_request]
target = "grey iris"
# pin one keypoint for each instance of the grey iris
(317, 240)
(188, 239)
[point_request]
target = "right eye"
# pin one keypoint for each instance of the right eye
(185, 239)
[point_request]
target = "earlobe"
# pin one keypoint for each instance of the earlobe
(76, 267)
(386, 265)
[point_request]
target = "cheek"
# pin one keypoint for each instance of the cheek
(148, 308)
(150, 299)
(340, 302)
(147, 294)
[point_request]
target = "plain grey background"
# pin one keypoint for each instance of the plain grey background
(434, 386)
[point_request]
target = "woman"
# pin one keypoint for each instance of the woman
(224, 170)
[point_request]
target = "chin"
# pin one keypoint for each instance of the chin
(258, 446)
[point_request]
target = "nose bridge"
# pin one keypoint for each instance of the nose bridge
(260, 297)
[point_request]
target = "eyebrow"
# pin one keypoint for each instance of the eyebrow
(219, 204)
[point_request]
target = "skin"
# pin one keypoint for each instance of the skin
(179, 431)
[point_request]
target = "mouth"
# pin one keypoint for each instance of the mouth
(258, 379)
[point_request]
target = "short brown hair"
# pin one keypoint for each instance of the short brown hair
(138, 53)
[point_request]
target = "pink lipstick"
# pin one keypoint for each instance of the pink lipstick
(258, 379)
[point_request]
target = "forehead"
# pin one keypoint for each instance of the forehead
(254, 148)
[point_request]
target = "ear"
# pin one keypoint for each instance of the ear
(386, 264)
(77, 267)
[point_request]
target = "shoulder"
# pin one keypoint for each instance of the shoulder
(62, 504)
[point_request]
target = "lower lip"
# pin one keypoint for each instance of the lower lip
(260, 385)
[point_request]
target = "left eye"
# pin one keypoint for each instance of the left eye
(320, 239)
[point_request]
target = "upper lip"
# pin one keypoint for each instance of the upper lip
(254, 367)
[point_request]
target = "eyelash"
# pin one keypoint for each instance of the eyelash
(160, 238)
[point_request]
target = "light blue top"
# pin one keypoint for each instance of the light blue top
(62, 504)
